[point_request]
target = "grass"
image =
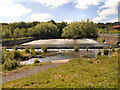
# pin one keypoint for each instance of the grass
(8, 39)
(100, 72)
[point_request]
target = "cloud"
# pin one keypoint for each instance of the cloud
(39, 17)
(84, 4)
(109, 8)
(11, 10)
(99, 19)
(113, 20)
(52, 3)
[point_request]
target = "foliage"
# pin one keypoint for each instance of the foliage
(44, 48)
(98, 53)
(117, 42)
(87, 48)
(27, 50)
(10, 64)
(113, 49)
(16, 47)
(16, 54)
(105, 51)
(36, 61)
(83, 29)
(77, 73)
(76, 48)
(45, 30)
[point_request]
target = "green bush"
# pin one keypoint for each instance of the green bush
(87, 48)
(98, 53)
(32, 48)
(36, 61)
(15, 47)
(44, 49)
(10, 64)
(16, 54)
(117, 42)
(27, 50)
(110, 47)
(33, 53)
(76, 48)
(113, 49)
(105, 51)
(24, 58)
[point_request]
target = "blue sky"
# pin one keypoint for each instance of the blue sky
(58, 10)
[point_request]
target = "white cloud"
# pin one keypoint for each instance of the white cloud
(113, 20)
(52, 3)
(109, 8)
(10, 9)
(84, 4)
(99, 19)
(39, 17)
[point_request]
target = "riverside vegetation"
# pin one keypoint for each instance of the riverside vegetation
(99, 72)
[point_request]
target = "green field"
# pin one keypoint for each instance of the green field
(100, 72)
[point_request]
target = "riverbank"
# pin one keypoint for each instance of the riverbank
(99, 72)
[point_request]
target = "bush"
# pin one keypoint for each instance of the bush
(44, 49)
(105, 51)
(113, 49)
(76, 48)
(16, 47)
(117, 42)
(33, 53)
(87, 48)
(110, 47)
(27, 50)
(10, 64)
(16, 54)
(98, 53)
(36, 61)
(24, 58)
(32, 48)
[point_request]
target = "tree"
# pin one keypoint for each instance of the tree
(45, 30)
(85, 29)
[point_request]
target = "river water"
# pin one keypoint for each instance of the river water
(66, 54)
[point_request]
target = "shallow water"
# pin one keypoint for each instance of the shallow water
(65, 54)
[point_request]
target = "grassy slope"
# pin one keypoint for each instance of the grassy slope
(78, 73)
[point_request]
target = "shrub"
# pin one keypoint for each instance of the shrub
(10, 64)
(87, 48)
(5, 48)
(113, 49)
(36, 61)
(44, 49)
(117, 42)
(98, 53)
(16, 54)
(33, 53)
(75, 48)
(32, 48)
(16, 47)
(110, 47)
(27, 50)
(24, 58)
(105, 51)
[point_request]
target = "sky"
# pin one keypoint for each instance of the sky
(58, 10)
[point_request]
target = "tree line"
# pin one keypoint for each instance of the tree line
(51, 29)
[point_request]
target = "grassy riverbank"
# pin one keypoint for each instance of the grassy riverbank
(100, 72)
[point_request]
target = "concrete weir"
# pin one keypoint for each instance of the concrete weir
(64, 43)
